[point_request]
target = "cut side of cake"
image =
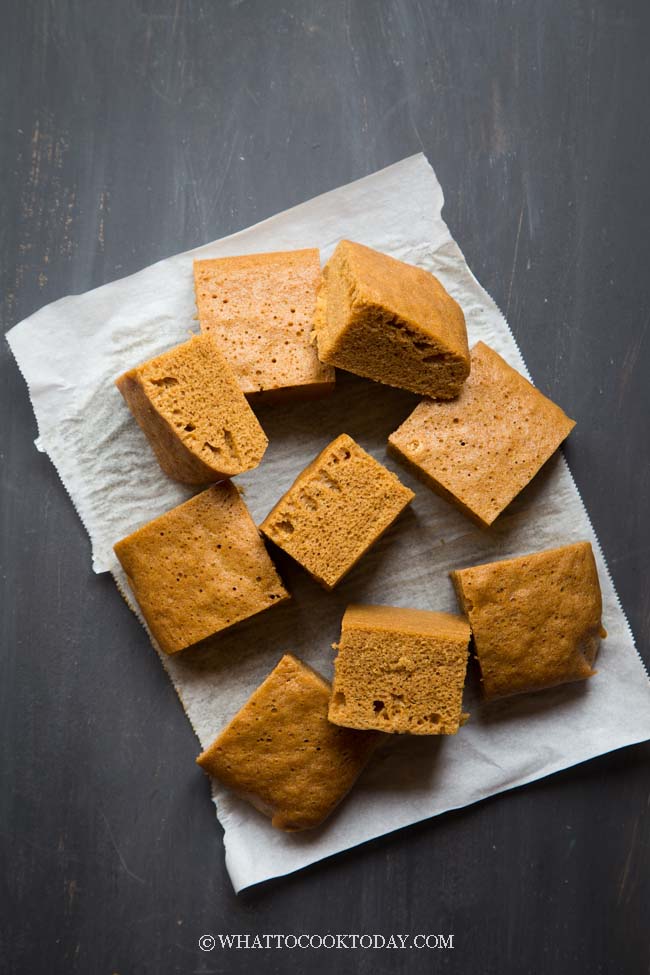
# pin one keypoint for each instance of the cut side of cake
(400, 670)
(198, 422)
(391, 322)
(337, 507)
(199, 568)
(260, 309)
(480, 450)
(535, 619)
(281, 754)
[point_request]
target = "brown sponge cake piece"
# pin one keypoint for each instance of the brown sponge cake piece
(392, 322)
(334, 511)
(282, 754)
(482, 449)
(535, 619)
(260, 309)
(200, 568)
(194, 414)
(400, 670)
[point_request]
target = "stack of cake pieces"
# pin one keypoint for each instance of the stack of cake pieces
(274, 327)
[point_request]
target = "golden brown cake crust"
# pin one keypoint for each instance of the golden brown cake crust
(189, 404)
(390, 321)
(282, 754)
(335, 510)
(536, 619)
(199, 568)
(400, 670)
(482, 449)
(260, 309)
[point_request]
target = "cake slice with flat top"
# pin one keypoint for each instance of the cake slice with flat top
(400, 670)
(535, 619)
(281, 753)
(260, 309)
(200, 568)
(481, 449)
(390, 321)
(335, 510)
(195, 416)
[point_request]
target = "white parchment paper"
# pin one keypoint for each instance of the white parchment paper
(71, 351)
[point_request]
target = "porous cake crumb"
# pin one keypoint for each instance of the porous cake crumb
(482, 449)
(190, 406)
(260, 309)
(392, 322)
(334, 511)
(400, 670)
(282, 754)
(535, 619)
(200, 568)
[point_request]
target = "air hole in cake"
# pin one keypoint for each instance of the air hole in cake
(378, 706)
(230, 442)
(284, 526)
(308, 501)
(189, 427)
(328, 481)
(165, 381)
(339, 699)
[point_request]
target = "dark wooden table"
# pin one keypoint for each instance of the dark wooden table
(137, 128)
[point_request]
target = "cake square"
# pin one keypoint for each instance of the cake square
(197, 420)
(482, 449)
(334, 511)
(400, 670)
(199, 568)
(260, 308)
(282, 754)
(390, 321)
(535, 619)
